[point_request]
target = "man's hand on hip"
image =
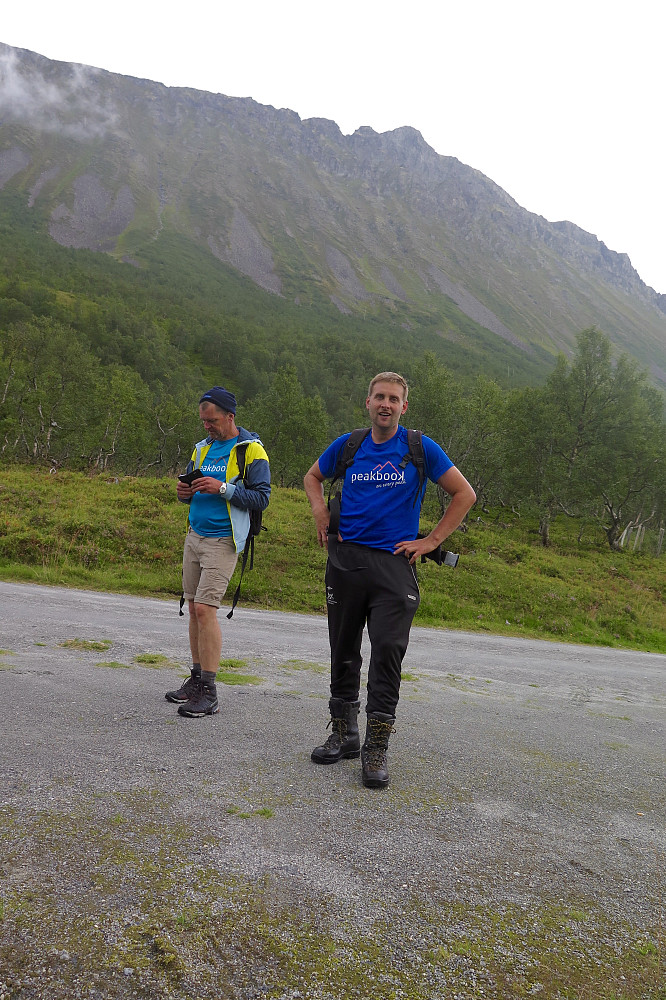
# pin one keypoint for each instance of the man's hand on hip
(415, 548)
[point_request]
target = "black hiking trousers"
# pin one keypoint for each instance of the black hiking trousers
(375, 587)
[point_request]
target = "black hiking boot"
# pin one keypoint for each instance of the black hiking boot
(203, 702)
(373, 752)
(186, 690)
(344, 741)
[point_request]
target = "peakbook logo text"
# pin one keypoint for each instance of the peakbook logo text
(386, 474)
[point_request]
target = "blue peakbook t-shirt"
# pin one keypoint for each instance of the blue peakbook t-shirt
(209, 515)
(378, 506)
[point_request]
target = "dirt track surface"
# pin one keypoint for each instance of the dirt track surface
(521, 843)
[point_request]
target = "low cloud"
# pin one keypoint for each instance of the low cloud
(64, 101)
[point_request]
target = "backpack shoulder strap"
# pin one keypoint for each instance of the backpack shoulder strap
(415, 442)
(348, 452)
(345, 460)
(241, 451)
(416, 456)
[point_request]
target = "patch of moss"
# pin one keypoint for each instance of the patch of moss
(609, 715)
(100, 645)
(153, 660)
(315, 668)
(265, 812)
(233, 664)
(229, 677)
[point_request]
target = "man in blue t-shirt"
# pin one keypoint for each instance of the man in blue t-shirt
(370, 575)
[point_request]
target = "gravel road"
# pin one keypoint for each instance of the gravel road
(519, 849)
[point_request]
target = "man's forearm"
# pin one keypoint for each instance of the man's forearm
(314, 491)
(453, 516)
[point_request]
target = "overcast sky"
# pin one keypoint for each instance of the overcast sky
(561, 104)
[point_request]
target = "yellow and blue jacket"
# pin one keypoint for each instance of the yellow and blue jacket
(251, 492)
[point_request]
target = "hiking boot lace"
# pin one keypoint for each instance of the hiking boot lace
(375, 758)
(375, 749)
(338, 734)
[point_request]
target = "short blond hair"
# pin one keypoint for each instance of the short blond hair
(389, 377)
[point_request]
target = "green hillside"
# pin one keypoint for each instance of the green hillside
(183, 319)
(228, 207)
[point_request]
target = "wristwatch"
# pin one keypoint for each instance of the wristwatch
(223, 489)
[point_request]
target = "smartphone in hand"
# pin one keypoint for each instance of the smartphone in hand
(189, 477)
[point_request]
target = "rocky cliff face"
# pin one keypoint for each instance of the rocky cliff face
(371, 221)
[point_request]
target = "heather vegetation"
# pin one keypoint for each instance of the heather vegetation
(126, 534)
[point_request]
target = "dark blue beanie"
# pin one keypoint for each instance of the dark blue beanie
(221, 397)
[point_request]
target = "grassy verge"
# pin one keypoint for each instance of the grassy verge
(126, 536)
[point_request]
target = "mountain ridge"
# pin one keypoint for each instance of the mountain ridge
(372, 222)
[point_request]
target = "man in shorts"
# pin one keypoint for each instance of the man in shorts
(219, 521)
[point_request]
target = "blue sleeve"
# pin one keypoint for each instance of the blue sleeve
(437, 462)
(329, 459)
